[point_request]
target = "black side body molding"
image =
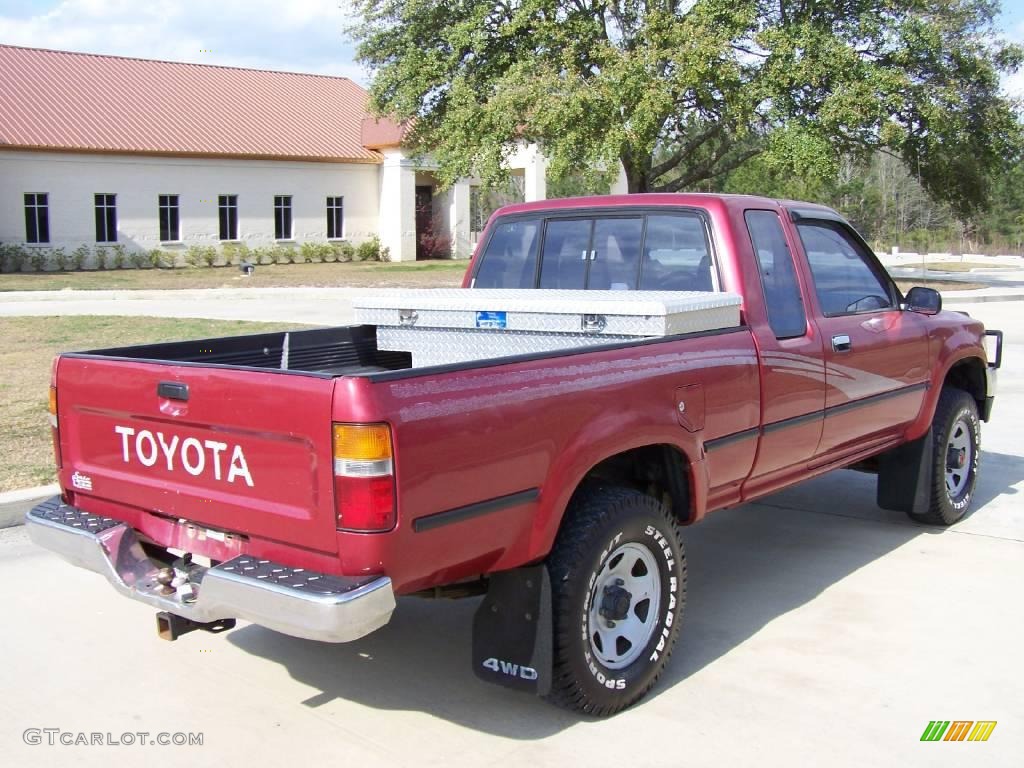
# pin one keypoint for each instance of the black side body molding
(459, 514)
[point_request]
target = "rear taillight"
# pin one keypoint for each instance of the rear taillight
(364, 477)
(54, 431)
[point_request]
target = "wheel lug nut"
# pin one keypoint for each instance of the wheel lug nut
(611, 624)
(619, 582)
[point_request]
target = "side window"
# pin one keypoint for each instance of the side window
(786, 314)
(615, 255)
(843, 278)
(510, 260)
(566, 253)
(676, 255)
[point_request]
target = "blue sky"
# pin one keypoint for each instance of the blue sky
(295, 35)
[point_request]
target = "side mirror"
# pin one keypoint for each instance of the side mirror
(927, 301)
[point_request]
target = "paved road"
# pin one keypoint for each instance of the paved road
(317, 306)
(819, 629)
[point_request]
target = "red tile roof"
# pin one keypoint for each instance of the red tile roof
(56, 100)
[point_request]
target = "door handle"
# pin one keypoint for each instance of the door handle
(841, 343)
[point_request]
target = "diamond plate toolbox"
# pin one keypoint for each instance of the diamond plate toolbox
(457, 325)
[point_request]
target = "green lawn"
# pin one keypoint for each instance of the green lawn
(423, 274)
(29, 346)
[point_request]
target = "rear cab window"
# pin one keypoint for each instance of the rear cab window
(616, 251)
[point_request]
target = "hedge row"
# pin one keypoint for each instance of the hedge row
(20, 258)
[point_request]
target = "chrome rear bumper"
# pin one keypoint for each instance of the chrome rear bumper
(294, 601)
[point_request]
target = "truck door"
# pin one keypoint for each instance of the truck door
(792, 366)
(876, 356)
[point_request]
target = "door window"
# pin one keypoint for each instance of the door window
(785, 305)
(844, 278)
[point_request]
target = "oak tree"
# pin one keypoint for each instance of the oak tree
(684, 92)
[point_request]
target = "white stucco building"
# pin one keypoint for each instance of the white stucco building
(152, 154)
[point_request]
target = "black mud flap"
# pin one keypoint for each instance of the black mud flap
(512, 633)
(905, 476)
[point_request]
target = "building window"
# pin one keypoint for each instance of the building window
(227, 206)
(37, 218)
(170, 231)
(106, 218)
(283, 217)
(335, 218)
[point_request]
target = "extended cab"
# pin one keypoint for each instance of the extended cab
(303, 480)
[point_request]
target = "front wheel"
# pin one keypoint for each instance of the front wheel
(618, 583)
(956, 434)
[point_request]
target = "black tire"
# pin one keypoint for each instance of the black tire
(956, 418)
(601, 523)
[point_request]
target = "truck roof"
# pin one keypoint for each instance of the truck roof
(701, 199)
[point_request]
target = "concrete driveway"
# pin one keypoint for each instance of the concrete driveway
(819, 630)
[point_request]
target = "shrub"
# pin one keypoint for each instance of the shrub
(343, 251)
(79, 257)
(313, 253)
(236, 253)
(140, 259)
(162, 259)
(434, 246)
(200, 255)
(37, 259)
(61, 259)
(12, 257)
(284, 254)
(371, 250)
(110, 257)
(262, 255)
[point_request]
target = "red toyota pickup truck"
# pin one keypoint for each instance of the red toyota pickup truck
(303, 481)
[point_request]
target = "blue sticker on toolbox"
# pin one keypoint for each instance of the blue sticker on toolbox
(491, 320)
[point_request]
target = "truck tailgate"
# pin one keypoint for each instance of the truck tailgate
(239, 450)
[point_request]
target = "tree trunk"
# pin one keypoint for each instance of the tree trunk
(637, 172)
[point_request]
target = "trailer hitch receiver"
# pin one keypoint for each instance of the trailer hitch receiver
(171, 626)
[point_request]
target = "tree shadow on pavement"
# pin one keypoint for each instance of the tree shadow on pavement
(747, 567)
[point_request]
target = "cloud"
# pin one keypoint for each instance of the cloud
(296, 35)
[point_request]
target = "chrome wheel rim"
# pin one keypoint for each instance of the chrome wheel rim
(959, 458)
(624, 605)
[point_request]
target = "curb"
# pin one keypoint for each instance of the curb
(14, 504)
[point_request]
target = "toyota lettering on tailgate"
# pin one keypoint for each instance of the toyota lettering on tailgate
(195, 456)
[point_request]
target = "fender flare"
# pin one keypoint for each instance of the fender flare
(564, 478)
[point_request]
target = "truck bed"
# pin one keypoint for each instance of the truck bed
(326, 352)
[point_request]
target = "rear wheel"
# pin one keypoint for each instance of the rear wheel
(618, 583)
(956, 434)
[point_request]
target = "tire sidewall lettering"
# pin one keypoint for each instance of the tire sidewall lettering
(661, 547)
(962, 502)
